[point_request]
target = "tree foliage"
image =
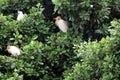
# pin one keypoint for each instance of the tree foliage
(99, 60)
(89, 50)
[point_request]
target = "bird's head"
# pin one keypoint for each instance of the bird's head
(57, 18)
(8, 47)
(20, 12)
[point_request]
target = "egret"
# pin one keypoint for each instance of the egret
(62, 24)
(20, 15)
(13, 50)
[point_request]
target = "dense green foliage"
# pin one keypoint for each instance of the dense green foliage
(88, 51)
(89, 15)
(99, 60)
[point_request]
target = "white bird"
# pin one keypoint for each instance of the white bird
(20, 15)
(63, 26)
(91, 6)
(13, 50)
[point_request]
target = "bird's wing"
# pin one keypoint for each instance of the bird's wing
(62, 25)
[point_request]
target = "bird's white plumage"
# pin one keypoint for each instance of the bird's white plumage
(13, 50)
(20, 15)
(62, 25)
(91, 6)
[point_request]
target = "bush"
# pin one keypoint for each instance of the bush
(18, 33)
(90, 21)
(47, 53)
(6, 29)
(10, 68)
(99, 60)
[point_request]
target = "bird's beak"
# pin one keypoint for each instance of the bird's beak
(5, 49)
(54, 19)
